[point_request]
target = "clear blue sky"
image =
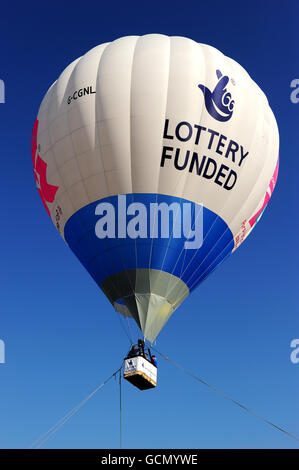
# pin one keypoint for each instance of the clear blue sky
(62, 336)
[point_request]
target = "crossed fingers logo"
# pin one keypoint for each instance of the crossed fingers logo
(219, 102)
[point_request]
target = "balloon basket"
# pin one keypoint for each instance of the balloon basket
(140, 372)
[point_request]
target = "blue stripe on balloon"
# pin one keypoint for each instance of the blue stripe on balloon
(104, 257)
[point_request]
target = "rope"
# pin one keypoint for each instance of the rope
(120, 412)
(226, 396)
(127, 332)
(39, 442)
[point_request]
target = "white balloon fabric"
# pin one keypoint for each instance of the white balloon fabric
(146, 130)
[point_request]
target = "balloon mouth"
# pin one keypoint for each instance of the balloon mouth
(149, 296)
(150, 312)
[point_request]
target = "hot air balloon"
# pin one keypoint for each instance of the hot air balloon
(155, 157)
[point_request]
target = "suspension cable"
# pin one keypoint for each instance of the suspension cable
(120, 412)
(127, 332)
(225, 396)
(40, 441)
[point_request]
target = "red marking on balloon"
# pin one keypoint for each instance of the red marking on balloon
(268, 195)
(46, 191)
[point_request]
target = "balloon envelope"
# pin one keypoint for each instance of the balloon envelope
(155, 157)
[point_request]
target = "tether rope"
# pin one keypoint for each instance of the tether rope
(225, 396)
(40, 441)
(120, 412)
